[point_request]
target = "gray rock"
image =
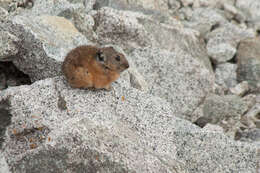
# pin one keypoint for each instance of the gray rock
(186, 3)
(3, 164)
(5, 4)
(3, 14)
(222, 42)
(252, 116)
(52, 8)
(133, 30)
(248, 58)
(172, 37)
(226, 75)
(45, 40)
(224, 110)
(173, 5)
(230, 8)
(240, 89)
(120, 28)
(8, 46)
(204, 19)
(185, 13)
(125, 4)
(219, 89)
(250, 135)
(68, 130)
(251, 9)
(176, 76)
(206, 3)
(83, 22)
(213, 128)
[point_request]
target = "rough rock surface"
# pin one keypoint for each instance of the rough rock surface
(8, 47)
(225, 111)
(176, 76)
(222, 42)
(58, 128)
(45, 40)
(138, 30)
(226, 75)
(204, 19)
(3, 14)
(250, 9)
(248, 58)
(175, 49)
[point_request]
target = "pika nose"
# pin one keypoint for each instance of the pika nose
(126, 65)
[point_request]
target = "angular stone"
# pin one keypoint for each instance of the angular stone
(225, 111)
(222, 42)
(133, 30)
(248, 58)
(133, 4)
(226, 75)
(45, 41)
(203, 19)
(176, 76)
(3, 14)
(251, 9)
(240, 89)
(5, 4)
(121, 28)
(8, 46)
(252, 116)
(100, 131)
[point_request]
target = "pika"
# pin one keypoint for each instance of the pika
(92, 67)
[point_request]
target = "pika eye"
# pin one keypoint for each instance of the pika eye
(118, 58)
(100, 56)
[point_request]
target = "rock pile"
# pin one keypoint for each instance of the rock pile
(190, 101)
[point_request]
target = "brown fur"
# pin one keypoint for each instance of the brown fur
(83, 69)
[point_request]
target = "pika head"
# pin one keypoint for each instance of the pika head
(111, 59)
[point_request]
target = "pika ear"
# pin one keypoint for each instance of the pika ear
(100, 57)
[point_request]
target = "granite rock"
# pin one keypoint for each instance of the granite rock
(72, 129)
(251, 10)
(222, 42)
(8, 46)
(225, 111)
(204, 19)
(226, 75)
(44, 42)
(176, 76)
(240, 89)
(248, 58)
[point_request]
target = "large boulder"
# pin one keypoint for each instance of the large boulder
(176, 76)
(43, 43)
(53, 128)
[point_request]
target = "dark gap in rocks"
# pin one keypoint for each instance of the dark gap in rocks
(5, 118)
(236, 19)
(233, 60)
(238, 135)
(202, 121)
(25, 4)
(258, 32)
(10, 75)
(214, 27)
(181, 3)
(99, 4)
(213, 64)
